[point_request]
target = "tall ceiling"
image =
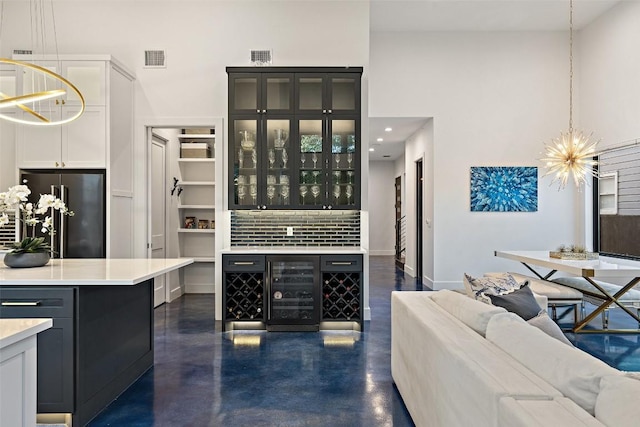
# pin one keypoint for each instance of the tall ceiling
(465, 15)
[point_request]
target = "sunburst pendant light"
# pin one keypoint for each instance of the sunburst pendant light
(47, 87)
(572, 153)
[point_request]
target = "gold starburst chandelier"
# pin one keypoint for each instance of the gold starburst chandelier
(571, 154)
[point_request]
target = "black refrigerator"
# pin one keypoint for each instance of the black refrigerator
(82, 235)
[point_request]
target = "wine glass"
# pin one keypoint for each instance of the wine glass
(241, 192)
(349, 159)
(285, 157)
(349, 192)
(314, 159)
(240, 158)
(303, 192)
(350, 177)
(271, 191)
(336, 177)
(303, 159)
(284, 192)
(337, 156)
(315, 177)
(315, 190)
(336, 192)
(254, 158)
(303, 177)
(253, 191)
(272, 158)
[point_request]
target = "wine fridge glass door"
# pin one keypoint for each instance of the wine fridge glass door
(293, 293)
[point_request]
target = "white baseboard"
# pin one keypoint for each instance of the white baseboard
(381, 252)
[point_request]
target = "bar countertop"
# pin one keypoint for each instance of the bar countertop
(88, 271)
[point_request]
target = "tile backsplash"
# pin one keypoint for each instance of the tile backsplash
(310, 228)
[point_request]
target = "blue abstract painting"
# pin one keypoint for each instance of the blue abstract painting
(504, 189)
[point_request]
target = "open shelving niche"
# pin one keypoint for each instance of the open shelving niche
(197, 179)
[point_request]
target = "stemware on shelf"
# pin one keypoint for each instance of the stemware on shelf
(336, 192)
(241, 192)
(240, 158)
(253, 191)
(303, 159)
(349, 159)
(254, 158)
(271, 191)
(303, 177)
(284, 192)
(337, 156)
(350, 175)
(336, 177)
(348, 192)
(272, 157)
(315, 191)
(315, 176)
(285, 157)
(314, 159)
(303, 192)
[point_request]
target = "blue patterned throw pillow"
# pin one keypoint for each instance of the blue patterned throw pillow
(480, 287)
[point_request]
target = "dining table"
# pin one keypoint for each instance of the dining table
(603, 267)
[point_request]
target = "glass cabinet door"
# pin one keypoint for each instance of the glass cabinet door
(245, 155)
(278, 190)
(345, 93)
(244, 94)
(311, 179)
(278, 94)
(310, 91)
(344, 163)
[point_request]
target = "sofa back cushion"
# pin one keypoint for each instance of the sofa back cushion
(573, 372)
(472, 313)
(617, 404)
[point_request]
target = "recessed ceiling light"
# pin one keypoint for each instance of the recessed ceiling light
(379, 139)
(372, 149)
(388, 129)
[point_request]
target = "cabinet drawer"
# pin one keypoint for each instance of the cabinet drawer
(243, 263)
(36, 302)
(341, 263)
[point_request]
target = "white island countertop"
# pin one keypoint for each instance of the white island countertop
(319, 250)
(90, 271)
(14, 330)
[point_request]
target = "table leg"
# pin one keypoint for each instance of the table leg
(610, 300)
(546, 277)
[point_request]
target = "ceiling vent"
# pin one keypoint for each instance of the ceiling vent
(155, 59)
(261, 57)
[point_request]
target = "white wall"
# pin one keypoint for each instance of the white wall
(381, 208)
(201, 38)
(609, 68)
(495, 99)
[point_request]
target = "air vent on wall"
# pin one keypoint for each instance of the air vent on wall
(155, 59)
(261, 57)
(22, 52)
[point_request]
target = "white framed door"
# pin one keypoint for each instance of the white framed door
(158, 213)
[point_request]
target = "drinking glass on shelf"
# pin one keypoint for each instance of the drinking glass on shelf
(336, 177)
(303, 177)
(350, 177)
(285, 157)
(272, 157)
(284, 192)
(336, 192)
(284, 179)
(315, 177)
(240, 158)
(241, 192)
(315, 190)
(314, 159)
(337, 156)
(303, 192)
(271, 179)
(253, 191)
(253, 179)
(349, 159)
(303, 159)
(254, 158)
(349, 192)
(271, 191)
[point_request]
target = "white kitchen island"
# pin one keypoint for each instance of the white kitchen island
(101, 340)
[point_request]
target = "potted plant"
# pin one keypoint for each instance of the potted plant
(31, 251)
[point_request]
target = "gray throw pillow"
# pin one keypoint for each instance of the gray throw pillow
(521, 302)
(543, 322)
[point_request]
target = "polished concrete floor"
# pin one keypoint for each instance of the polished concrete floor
(206, 378)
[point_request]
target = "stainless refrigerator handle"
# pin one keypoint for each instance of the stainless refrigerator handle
(63, 198)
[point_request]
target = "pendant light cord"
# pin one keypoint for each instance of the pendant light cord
(570, 65)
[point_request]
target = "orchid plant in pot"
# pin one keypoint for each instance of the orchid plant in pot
(32, 250)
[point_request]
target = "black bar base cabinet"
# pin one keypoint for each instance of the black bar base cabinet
(292, 292)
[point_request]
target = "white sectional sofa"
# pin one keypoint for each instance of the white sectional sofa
(460, 362)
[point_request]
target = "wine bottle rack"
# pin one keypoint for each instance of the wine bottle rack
(341, 295)
(245, 296)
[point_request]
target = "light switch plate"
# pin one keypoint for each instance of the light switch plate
(289, 231)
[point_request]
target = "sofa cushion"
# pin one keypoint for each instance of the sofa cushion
(479, 287)
(575, 373)
(472, 313)
(560, 411)
(617, 403)
(521, 302)
(543, 322)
